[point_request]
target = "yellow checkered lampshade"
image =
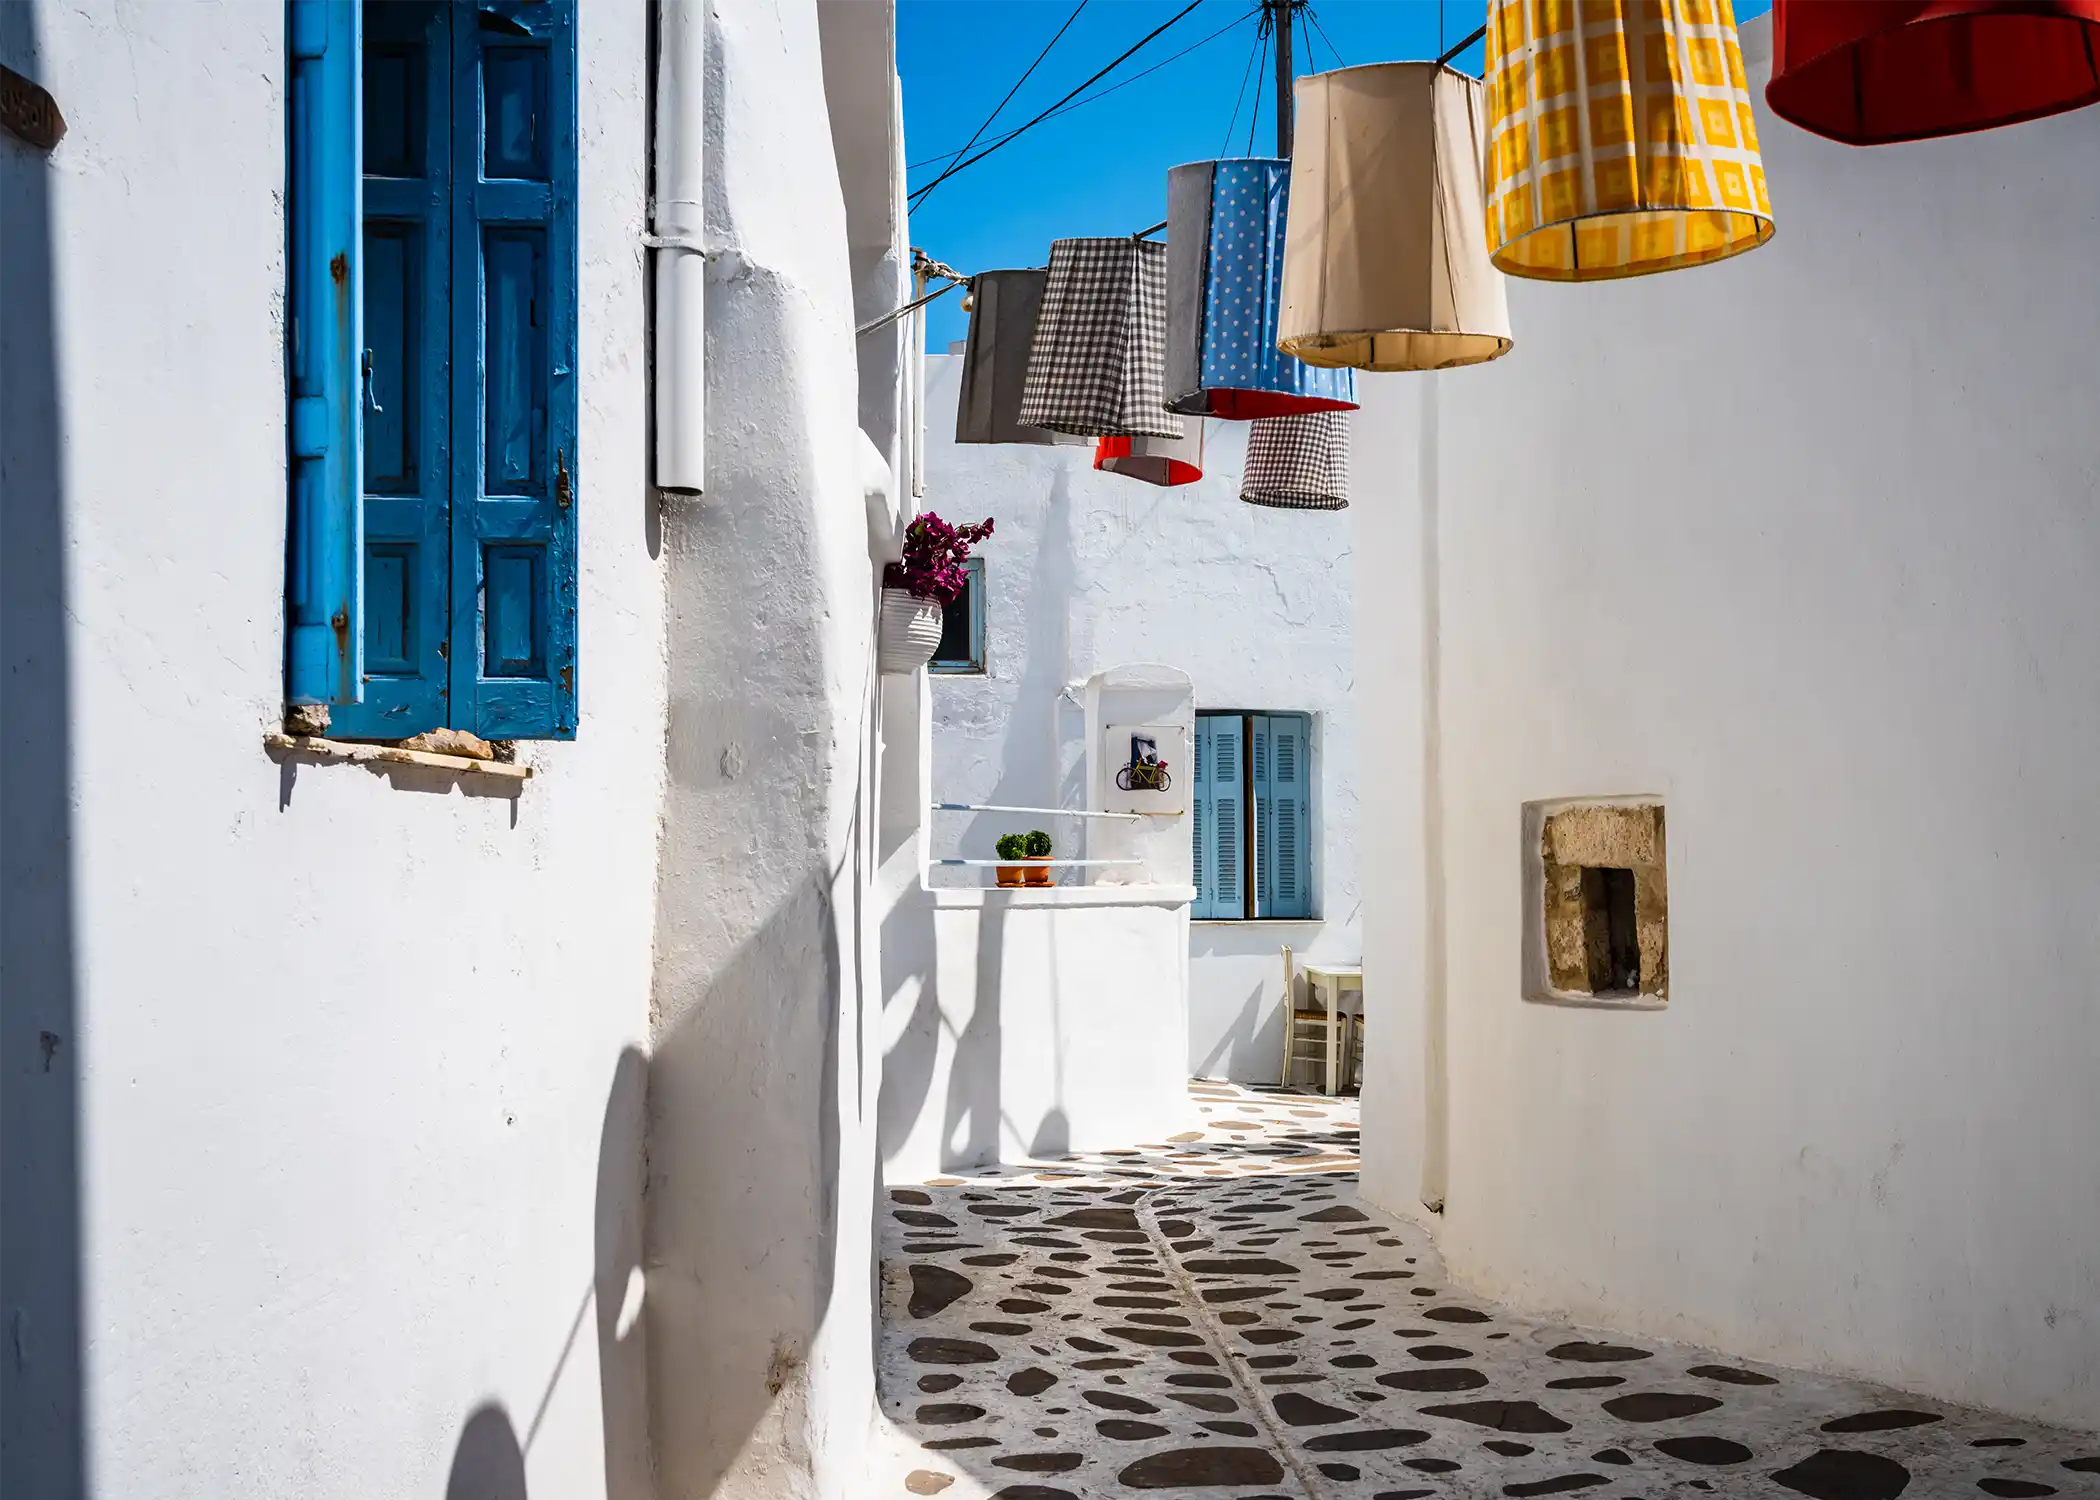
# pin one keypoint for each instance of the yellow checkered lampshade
(1620, 138)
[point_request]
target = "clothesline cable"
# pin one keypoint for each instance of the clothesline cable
(910, 307)
(1237, 21)
(920, 196)
(987, 125)
(926, 265)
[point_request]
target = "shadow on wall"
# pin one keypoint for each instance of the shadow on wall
(40, 1272)
(743, 1193)
(1246, 1038)
(618, 1282)
(488, 1464)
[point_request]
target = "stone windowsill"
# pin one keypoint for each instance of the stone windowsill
(358, 752)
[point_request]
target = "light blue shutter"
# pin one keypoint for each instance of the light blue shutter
(1220, 847)
(1200, 821)
(1283, 807)
(323, 589)
(514, 465)
(406, 406)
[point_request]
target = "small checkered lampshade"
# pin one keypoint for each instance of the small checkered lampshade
(1225, 233)
(1096, 364)
(1298, 462)
(1868, 72)
(1003, 307)
(1620, 138)
(1385, 266)
(1162, 461)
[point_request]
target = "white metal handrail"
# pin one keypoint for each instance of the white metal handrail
(1037, 863)
(1060, 812)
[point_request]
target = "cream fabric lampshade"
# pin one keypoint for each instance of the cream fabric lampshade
(1386, 264)
(1620, 138)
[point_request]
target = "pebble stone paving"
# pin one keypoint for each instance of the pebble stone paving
(1218, 1317)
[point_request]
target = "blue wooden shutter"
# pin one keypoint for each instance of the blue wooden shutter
(325, 550)
(515, 475)
(1200, 818)
(406, 407)
(1220, 811)
(1283, 805)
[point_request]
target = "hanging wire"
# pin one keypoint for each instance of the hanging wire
(987, 125)
(1259, 78)
(1103, 93)
(1238, 100)
(1313, 17)
(920, 196)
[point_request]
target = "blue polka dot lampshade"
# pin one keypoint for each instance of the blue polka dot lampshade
(1225, 242)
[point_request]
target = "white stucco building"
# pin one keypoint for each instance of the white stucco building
(1800, 545)
(1091, 570)
(328, 1085)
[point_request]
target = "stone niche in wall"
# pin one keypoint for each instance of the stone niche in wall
(1597, 902)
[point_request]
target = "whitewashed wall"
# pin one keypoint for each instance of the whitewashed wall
(1090, 570)
(763, 1087)
(326, 1092)
(1809, 544)
(344, 1059)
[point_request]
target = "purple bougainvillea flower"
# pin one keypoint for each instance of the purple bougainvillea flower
(934, 554)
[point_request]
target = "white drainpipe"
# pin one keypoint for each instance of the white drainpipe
(677, 219)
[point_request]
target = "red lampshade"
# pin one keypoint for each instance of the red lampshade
(1868, 72)
(1162, 461)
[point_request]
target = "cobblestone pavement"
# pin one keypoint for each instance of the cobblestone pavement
(1218, 1317)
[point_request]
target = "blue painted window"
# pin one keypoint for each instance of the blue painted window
(1252, 791)
(961, 650)
(460, 135)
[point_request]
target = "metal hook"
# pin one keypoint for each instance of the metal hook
(370, 395)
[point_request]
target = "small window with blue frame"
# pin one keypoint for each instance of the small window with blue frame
(961, 651)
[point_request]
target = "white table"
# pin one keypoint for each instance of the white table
(1330, 982)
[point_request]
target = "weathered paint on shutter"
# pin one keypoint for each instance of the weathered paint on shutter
(1283, 814)
(406, 374)
(1224, 766)
(515, 475)
(325, 552)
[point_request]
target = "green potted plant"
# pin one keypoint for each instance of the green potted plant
(1035, 851)
(1030, 852)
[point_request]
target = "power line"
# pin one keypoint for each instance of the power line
(1238, 99)
(920, 196)
(1255, 118)
(987, 125)
(1103, 94)
(1314, 18)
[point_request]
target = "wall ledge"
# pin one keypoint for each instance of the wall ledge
(959, 897)
(357, 752)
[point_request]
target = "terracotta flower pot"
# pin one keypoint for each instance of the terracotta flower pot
(1037, 869)
(1013, 875)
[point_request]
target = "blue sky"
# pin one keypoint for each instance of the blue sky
(1101, 169)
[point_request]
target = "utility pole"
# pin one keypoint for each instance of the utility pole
(1280, 15)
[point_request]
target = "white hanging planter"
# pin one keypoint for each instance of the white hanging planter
(908, 633)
